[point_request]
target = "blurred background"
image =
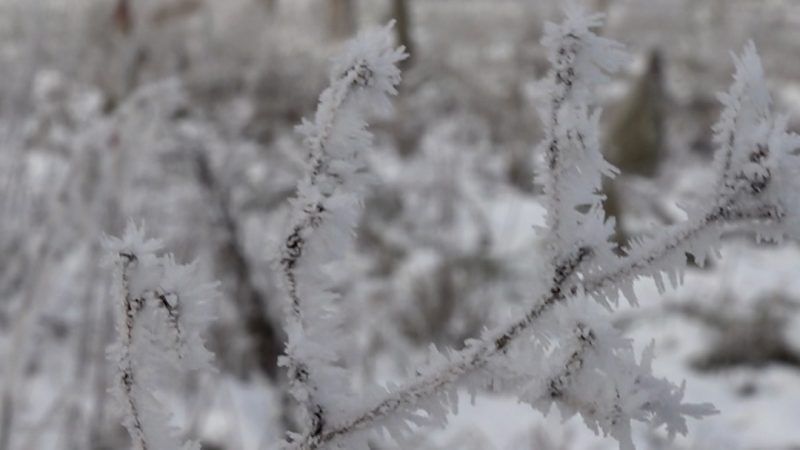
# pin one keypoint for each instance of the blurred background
(180, 114)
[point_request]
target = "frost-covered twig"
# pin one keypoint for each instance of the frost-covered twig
(163, 309)
(574, 164)
(559, 351)
(324, 214)
(756, 172)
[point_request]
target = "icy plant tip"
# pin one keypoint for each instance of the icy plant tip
(162, 309)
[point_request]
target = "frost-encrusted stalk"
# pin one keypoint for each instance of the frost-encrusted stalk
(324, 214)
(126, 374)
(574, 165)
(651, 256)
(163, 307)
(318, 140)
(560, 350)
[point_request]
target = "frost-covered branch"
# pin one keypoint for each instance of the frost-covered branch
(432, 393)
(324, 215)
(574, 164)
(756, 169)
(560, 350)
(163, 307)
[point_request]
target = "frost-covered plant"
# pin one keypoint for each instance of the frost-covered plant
(562, 349)
(325, 211)
(162, 309)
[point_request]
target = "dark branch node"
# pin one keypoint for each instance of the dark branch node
(129, 256)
